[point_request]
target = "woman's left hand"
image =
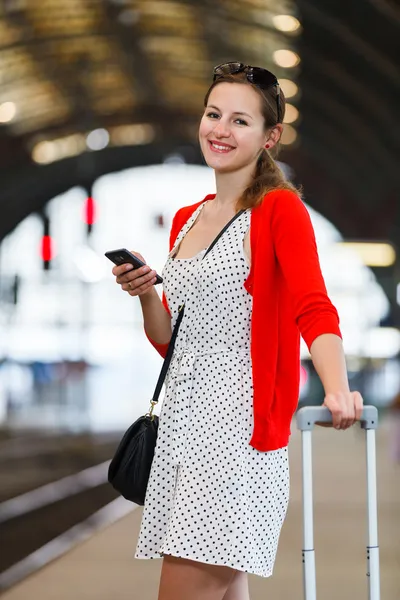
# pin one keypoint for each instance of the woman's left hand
(346, 408)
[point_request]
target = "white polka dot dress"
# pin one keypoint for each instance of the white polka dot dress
(212, 497)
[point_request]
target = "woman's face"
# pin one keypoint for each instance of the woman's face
(232, 132)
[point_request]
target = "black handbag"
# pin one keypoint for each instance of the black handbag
(130, 467)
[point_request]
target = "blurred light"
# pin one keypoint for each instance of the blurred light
(286, 23)
(289, 135)
(174, 159)
(47, 252)
(398, 294)
(382, 342)
(8, 110)
(129, 16)
(373, 254)
(89, 215)
(90, 266)
(48, 151)
(97, 139)
(132, 135)
(286, 58)
(44, 153)
(11, 6)
(303, 376)
(291, 114)
(289, 88)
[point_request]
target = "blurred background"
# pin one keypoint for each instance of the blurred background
(100, 102)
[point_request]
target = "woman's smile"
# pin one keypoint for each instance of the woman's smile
(220, 147)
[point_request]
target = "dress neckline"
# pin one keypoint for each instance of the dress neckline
(193, 219)
(191, 257)
(191, 223)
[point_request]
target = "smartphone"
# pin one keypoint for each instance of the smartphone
(122, 256)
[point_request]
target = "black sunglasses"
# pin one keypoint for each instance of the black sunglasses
(256, 75)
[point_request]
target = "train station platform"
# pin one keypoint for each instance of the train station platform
(103, 567)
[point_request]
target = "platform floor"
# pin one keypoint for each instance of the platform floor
(103, 567)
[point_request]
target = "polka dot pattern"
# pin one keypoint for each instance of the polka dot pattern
(211, 497)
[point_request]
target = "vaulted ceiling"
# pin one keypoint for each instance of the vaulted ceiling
(93, 86)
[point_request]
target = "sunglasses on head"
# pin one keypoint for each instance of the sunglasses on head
(256, 75)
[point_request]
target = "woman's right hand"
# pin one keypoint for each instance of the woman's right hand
(136, 282)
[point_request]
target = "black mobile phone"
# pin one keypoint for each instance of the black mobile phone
(122, 256)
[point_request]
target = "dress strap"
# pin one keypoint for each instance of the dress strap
(170, 350)
(210, 247)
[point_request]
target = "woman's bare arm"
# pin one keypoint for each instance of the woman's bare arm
(157, 321)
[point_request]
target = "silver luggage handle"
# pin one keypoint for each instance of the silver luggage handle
(307, 418)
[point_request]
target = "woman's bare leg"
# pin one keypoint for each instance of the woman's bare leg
(239, 587)
(184, 579)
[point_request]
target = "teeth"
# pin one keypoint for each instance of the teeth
(220, 147)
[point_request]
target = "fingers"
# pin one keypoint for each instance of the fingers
(332, 401)
(349, 415)
(126, 273)
(346, 408)
(141, 289)
(120, 270)
(138, 281)
(358, 405)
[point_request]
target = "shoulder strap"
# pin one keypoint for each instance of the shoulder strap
(171, 345)
(211, 246)
(168, 356)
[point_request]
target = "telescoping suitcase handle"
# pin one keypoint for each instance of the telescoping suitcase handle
(307, 417)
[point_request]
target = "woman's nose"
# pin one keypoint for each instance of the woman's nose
(221, 129)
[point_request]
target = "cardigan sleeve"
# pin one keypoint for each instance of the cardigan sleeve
(175, 227)
(296, 251)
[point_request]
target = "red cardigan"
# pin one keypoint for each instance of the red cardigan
(289, 299)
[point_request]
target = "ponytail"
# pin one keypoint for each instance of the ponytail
(267, 177)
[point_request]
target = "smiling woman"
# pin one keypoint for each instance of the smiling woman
(218, 489)
(242, 124)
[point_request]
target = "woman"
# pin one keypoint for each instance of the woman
(219, 485)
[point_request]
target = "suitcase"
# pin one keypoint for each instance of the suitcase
(306, 418)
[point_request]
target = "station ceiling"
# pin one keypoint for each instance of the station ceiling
(127, 78)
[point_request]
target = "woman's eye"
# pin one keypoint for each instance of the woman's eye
(213, 115)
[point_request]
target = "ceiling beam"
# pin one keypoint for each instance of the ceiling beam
(359, 46)
(23, 195)
(68, 79)
(136, 64)
(354, 130)
(326, 174)
(374, 103)
(353, 167)
(388, 8)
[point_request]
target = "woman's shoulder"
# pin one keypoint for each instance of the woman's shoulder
(278, 203)
(182, 215)
(282, 198)
(185, 212)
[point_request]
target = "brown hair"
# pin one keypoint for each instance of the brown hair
(268, 176)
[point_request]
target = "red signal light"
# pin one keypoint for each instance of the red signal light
(47, 251)
(47, 248)
(90, 211)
